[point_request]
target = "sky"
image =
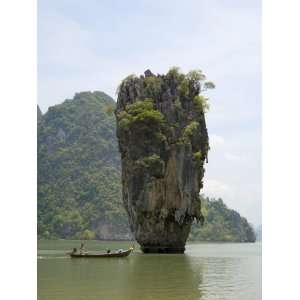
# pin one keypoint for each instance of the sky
(92, 45)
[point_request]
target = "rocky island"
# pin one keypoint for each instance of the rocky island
(163, 142)
(79, 178)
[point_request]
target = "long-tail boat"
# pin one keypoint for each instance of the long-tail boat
(119, 253)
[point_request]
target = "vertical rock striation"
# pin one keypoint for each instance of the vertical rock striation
(163, 143)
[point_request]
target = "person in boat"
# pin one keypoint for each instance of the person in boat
(107, 251)
(82, 249)
(74, 250)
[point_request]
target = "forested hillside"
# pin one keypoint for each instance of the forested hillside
(221, 224)
(79, 178)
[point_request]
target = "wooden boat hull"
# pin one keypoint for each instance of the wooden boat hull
(101, 255)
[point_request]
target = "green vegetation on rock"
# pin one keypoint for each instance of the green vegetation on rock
(137, 121)
(141, 113)
(201, 103)
(190, 129)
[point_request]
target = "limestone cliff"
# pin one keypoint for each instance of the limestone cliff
(163, 143)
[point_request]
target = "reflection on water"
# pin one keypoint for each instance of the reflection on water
(162, 277)
(206, 271)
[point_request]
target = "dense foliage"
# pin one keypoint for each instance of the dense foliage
(79, 174)
(221, 224)
(142, 119)
(79, 180)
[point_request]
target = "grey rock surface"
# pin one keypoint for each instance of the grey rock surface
(163, 142)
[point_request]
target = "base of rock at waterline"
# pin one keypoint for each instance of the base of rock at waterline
(163, 249)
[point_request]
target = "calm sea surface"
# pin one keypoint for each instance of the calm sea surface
(206, 271)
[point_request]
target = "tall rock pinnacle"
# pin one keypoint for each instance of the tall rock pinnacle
(163, 143)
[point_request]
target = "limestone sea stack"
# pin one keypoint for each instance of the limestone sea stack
(163, 142)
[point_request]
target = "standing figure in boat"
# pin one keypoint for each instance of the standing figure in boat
(82, 249)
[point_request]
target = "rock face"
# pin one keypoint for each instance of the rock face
(163, 143)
